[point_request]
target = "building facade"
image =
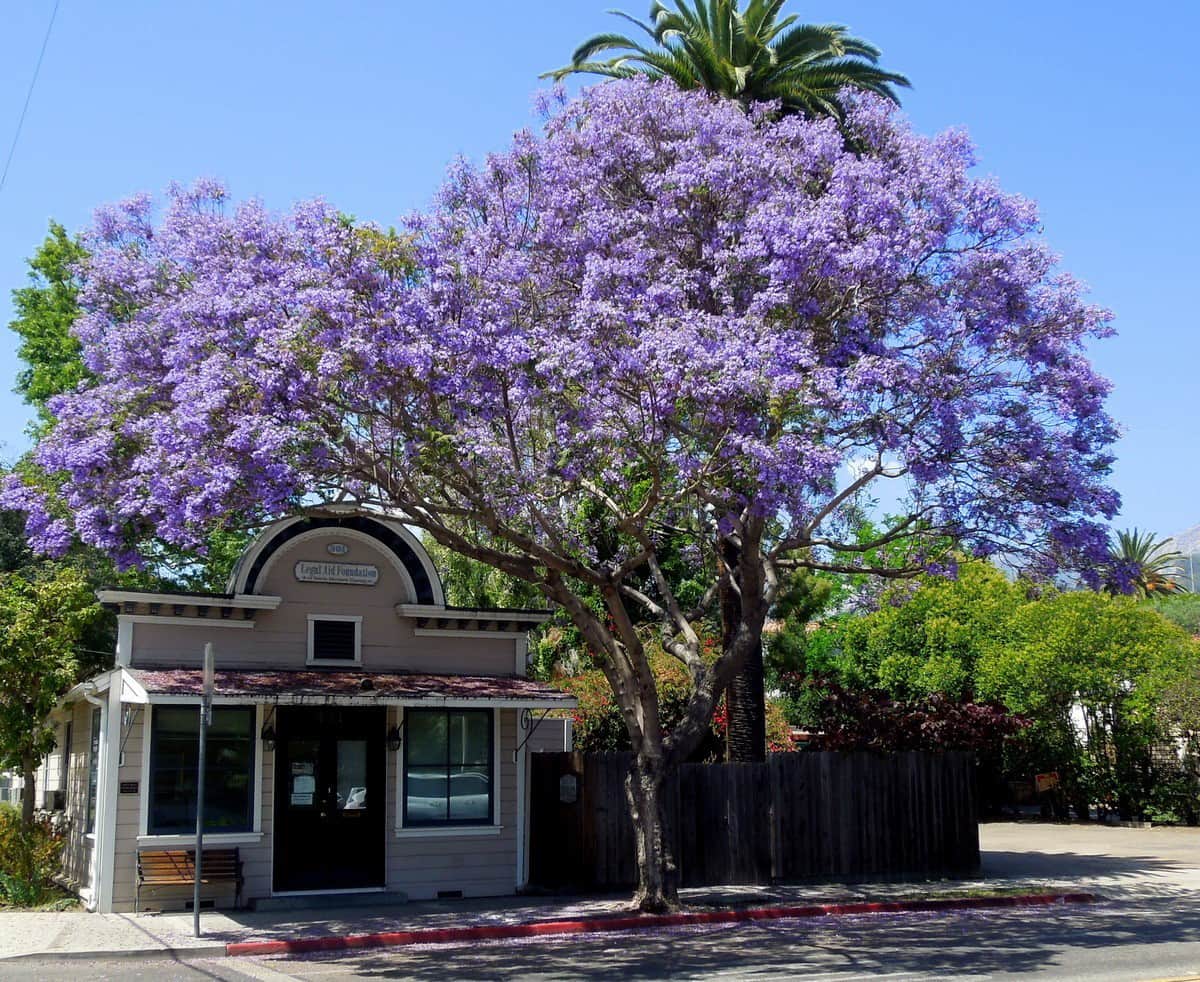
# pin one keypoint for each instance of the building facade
(365, 736)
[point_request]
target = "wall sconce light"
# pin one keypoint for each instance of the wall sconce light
(268, 737)
(394, 739)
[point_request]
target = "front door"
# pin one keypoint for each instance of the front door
(329, 804)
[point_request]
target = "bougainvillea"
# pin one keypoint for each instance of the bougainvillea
(663, 313)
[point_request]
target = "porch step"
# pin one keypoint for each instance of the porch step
(329, 901)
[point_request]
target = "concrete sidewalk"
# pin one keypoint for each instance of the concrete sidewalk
(1115, 863)
(83, 935)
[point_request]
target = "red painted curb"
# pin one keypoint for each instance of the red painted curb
(500, 932)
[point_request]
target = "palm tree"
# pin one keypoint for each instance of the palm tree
(750, 55)
(1149, 566)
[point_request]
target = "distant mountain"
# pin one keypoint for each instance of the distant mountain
(1188, 543)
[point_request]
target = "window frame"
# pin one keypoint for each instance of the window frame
(356, 661)
(93, 785)
(148, 827)
(64, 782)
(492, 818)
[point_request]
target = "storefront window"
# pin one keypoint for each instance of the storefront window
(228, 772)
(448, 767)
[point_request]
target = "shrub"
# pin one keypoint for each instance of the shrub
(29, 860)
(598, 727)
(872, 720)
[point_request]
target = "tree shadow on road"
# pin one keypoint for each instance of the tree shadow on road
(964, 943)
(1134, 876)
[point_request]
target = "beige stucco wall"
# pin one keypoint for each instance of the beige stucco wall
(77, 853)
(279, 638)
(478, 865)
(554, 734)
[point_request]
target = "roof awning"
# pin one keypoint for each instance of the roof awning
(360, 688)
(433, 619)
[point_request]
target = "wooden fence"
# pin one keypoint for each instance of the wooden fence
(799, 816)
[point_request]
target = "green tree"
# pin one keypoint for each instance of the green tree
(1105, 662)
(788, 646)
(14, 550)
(45, 614)
(928, 635)
(45, 311)
(749, 54)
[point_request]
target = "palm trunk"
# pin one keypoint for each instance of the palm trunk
(745, 699)
(658, 879)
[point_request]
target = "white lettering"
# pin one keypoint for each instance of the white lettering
(315, 571)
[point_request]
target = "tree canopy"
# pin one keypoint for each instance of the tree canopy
(1103, 679)
(663, 316)
(45, 310)
(928, 640)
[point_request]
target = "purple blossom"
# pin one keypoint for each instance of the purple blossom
(660, 289)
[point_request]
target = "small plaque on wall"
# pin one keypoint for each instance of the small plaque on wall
(129, 787)
(361, 574)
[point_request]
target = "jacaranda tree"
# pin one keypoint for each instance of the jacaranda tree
(663, 314)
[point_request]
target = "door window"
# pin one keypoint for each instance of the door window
(351, 776)
(303, 773)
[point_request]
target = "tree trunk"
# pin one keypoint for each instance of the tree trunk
(28, 793)
(658, 875)
(745, 699)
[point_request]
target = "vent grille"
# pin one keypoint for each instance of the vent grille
(334, 640)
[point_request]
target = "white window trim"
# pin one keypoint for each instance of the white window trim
(356, 618)
(91, 797)
(145, 839)
(214, 838)
(445, 831)
(433, 832)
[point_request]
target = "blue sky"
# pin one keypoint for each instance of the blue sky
(1083, 107)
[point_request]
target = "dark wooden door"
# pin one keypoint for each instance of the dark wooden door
(329, 805)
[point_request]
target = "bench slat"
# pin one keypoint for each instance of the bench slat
(177, 867)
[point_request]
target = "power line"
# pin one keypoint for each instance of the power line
(29, 95)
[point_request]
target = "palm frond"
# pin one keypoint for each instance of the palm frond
(604, 42)
(648, 28)
(750, 53)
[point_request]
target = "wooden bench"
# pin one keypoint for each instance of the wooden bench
(177, 867)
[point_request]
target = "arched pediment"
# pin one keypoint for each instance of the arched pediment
(404, 548)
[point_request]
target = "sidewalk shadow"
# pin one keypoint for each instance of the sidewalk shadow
(1071, 866)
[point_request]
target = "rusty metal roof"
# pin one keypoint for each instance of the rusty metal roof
(317, 685)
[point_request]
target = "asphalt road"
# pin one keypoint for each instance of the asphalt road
(1153, 939)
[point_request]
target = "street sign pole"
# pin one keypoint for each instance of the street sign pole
(205, 718)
